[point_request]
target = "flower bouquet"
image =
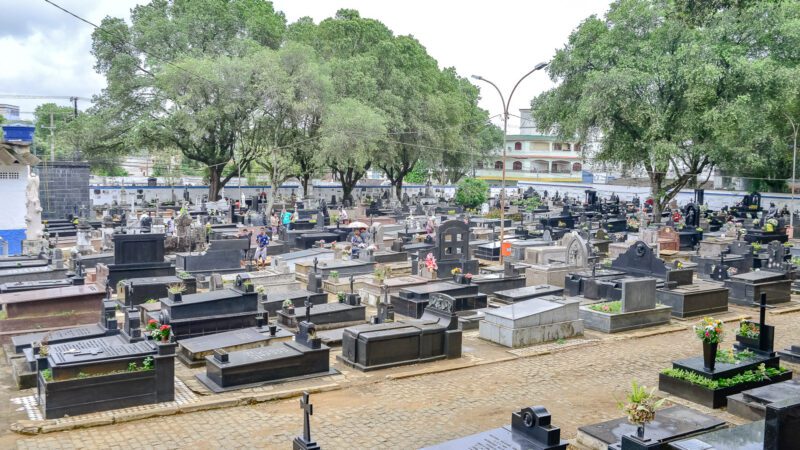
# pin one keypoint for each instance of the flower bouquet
(710, 333)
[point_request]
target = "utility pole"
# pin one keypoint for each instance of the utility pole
(74, 101)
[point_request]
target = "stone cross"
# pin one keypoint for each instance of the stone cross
(762, 334)
(308, 306)
(351, 284)
(315, 264)
(308, 411)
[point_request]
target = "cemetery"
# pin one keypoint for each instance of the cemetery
(269, 209)
(164, 311)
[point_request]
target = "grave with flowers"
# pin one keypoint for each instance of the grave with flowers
(709, 379)
(104, 373)
(209, 312)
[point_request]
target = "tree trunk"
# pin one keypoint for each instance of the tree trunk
(273, 193)
(398, 189)
(349, 178)
(347, 191)
(304, 180)
(656, 181)
(214, 182)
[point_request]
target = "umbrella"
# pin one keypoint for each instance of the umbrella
(358, 225)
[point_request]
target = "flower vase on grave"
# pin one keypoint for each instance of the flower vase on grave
(175, 296)
(709, 355)
(640, 431)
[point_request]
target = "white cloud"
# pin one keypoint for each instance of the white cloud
(500, 40)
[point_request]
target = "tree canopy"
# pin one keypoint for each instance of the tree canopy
(669, 87)
(231, 86)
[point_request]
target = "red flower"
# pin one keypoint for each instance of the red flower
(151, 321)
(164, 327)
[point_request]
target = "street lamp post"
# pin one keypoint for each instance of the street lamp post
(506, 105)
(794, 168)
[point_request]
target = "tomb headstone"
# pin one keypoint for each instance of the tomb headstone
(531, 429)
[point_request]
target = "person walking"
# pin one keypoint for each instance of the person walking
(262, 242)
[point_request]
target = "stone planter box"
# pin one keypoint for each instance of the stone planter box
(66, 394)
(614, 323)
(716, 398)
(102, 393)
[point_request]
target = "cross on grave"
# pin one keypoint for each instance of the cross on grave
(308, 306)
(720, 272)
(315, 264)
(351, 284)
(308, 411)
(762, 317)
(305, 442)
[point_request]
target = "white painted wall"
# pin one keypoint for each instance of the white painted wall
(13, 182)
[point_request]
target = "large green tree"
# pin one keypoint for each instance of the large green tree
(427, 111)
(289, 120)
(351, 133)
(172, 75)
(659, 87)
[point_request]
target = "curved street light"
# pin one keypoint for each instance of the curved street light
(539, 66)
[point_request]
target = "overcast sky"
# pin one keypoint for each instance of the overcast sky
(500, 40)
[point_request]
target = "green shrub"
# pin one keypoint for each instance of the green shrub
(471, 192)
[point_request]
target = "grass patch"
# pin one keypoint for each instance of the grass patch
(614, 307)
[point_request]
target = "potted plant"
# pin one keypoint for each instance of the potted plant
(175, 291)
(467, 278)
(640, 406)
(288, 306)
(163, 333)
(379, 274)
(334, 276)
(771, 225)
(457, 276)
(248, 286)
(749, 333)
(710, 332)
(151, 328)
(341, 297)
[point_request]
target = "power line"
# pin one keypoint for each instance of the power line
(121, 40)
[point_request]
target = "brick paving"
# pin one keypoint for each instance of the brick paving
(579, 384)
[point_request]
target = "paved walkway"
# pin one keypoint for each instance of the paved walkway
(579, 385)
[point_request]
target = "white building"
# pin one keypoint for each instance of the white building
(18, 204)
(532, 156)
(9, 112)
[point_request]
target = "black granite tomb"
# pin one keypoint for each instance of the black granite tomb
(221, 256)
(304, 357)
(640, 261)
(90, 376)
(135, 256)
(435, 336)
(531, 429)
(411, 301)
(209, 312)
(135, 291)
